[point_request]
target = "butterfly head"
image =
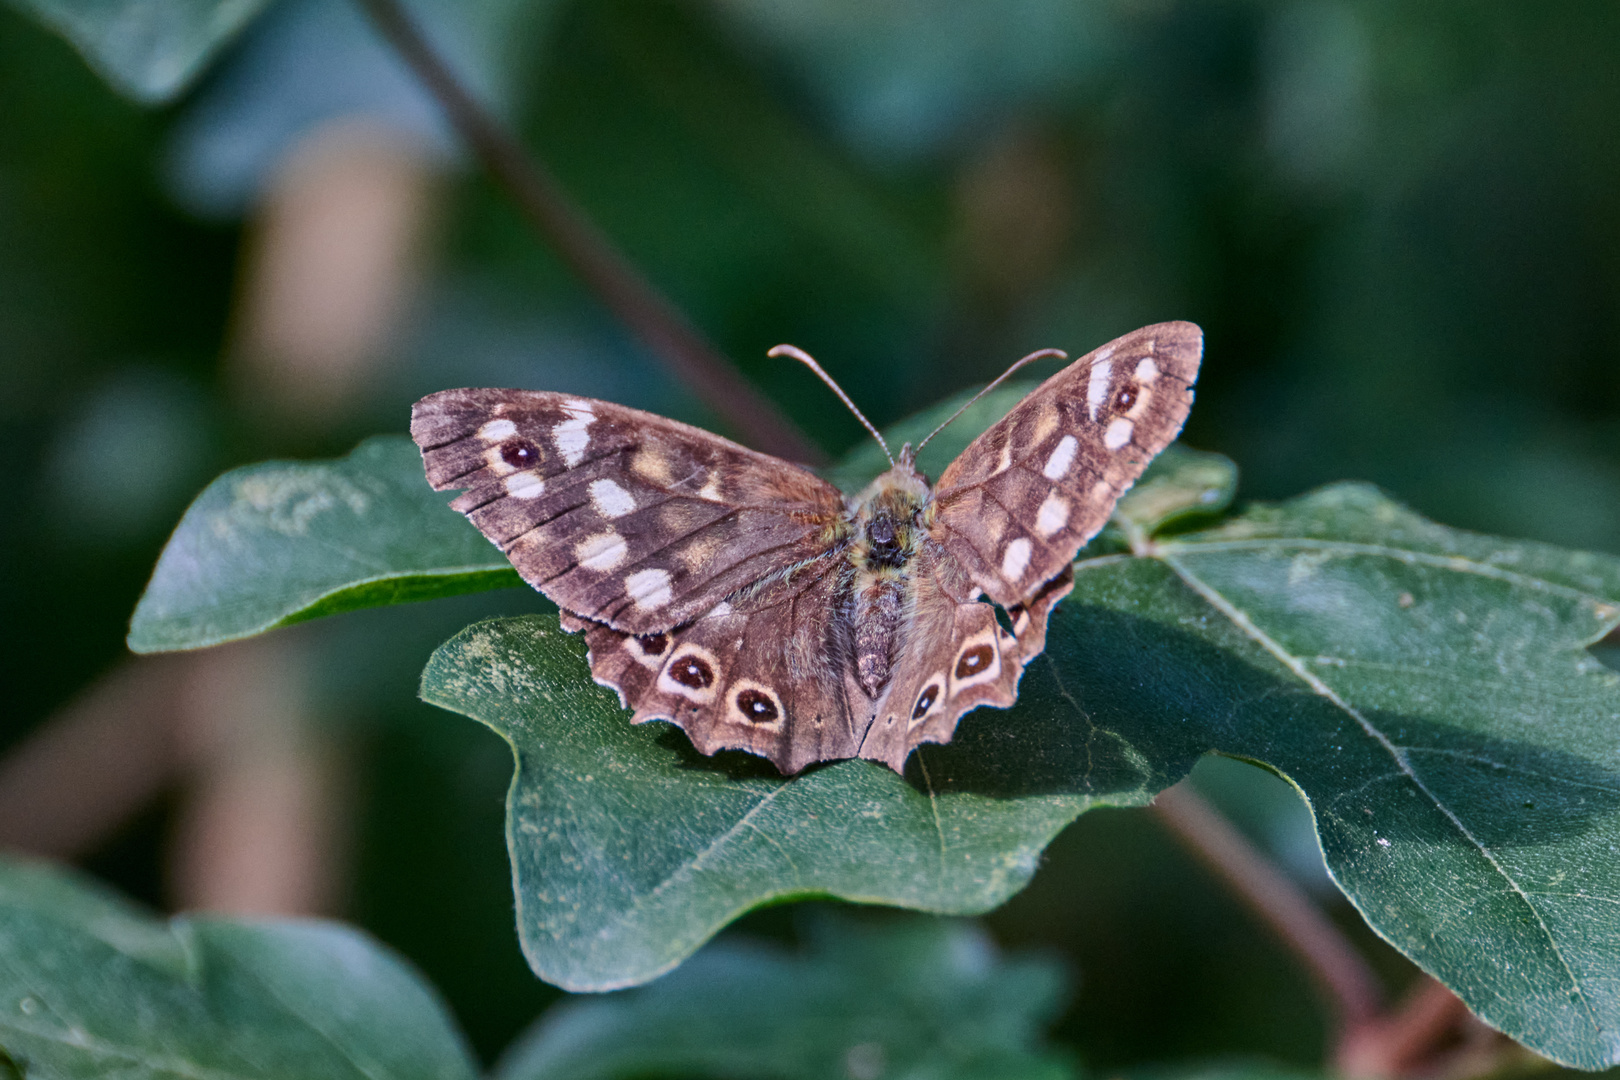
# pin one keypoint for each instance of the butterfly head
(889, 517)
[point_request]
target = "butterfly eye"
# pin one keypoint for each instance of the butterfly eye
(925, 701)
(756, 706)
(973, 661)
(692, 671)
(520, 453)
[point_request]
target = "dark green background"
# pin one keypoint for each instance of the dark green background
(1396, 223)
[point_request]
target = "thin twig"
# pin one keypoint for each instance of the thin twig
(1333, 962)
(604, 270)
(1428, 1033)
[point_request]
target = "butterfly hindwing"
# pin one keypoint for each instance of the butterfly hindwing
(621, 516)
(1022, 499)
(968, 661)
(762, 675)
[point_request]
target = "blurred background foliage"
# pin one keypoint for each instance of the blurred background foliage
(1398, 225)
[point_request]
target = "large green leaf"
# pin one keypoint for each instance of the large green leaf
(276, 543)
(917, 998)
(91, 987)
(1428, 690)
(148, 49)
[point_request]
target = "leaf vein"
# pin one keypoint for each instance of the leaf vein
(1254, 633)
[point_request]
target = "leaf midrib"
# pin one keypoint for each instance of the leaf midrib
(1240, 619)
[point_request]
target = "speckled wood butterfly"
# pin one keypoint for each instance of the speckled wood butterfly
(750, 602)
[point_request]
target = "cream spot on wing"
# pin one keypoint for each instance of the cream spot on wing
(652, 465)
(1062, 456)
(610, 499)
(1102, 491)
(711, 490)
(525, 485)
(1015, 559)
(1146, 370)
(497, 464)
(1097, 388)
(1053, 515)
(697, 554)
(496, 430)
(1005, 461)
(1118, 433)
(601, 552)
(1046, 422)
(649, 589)
(570, 434)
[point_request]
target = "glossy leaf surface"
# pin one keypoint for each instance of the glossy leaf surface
(280, 542)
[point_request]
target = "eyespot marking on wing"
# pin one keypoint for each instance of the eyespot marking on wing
(690, 674)
(976, 662)
(754, 704)
(930, 700)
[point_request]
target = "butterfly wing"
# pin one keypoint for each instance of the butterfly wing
(1021, 500)
(762, 674)
(961, 658)
(623, 517)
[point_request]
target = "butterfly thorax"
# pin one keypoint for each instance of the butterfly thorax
(889, 531)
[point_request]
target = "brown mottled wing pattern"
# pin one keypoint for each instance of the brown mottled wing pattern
(963, 659)
(618, 515)
(1020, 501)
(762, 674)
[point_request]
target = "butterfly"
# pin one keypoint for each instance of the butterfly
(750, 602)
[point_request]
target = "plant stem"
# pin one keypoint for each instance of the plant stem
(1333, 962)
(591, 255)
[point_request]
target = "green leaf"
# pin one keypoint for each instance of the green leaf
(1428, 690)
(913, 997)
(630, 849)
(91, 987)
(280, 542)
(149, 50)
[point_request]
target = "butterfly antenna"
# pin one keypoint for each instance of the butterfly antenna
(804, 358)
(1039, 354)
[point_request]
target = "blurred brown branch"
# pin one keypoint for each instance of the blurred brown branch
(591, 255)
(1333, 962)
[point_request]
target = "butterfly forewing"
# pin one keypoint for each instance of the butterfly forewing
(621, 516)
(1024, 496)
